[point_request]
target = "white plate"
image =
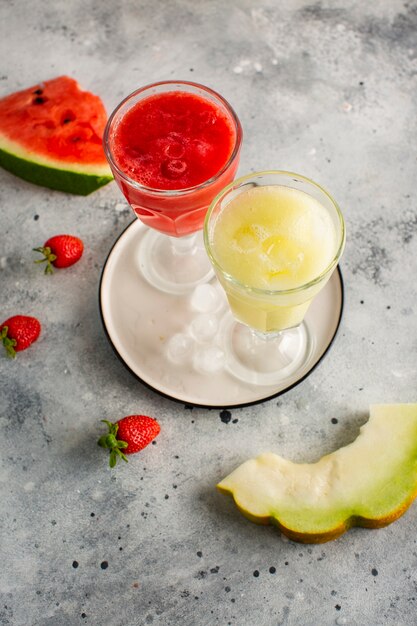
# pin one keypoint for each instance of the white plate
(153, 332)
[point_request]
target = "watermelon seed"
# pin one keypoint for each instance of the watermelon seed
(38, 92)
(67, 117)
(38, 100)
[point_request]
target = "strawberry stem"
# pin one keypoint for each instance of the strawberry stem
(49, 258)
(115, 445)
(8, 342)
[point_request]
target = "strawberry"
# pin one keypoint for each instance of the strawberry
(18, 332)
(60, 251)
(134, 433)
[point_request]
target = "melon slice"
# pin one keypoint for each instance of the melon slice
(51, 135)
(369, 483)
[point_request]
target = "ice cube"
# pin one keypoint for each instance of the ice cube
(201, 148)
(282, 256)
(173, 168)
(204, 327)
(207, 118)
(180, 347)
(209, 359)
(205, 298)
(246, 239)
(174, 150)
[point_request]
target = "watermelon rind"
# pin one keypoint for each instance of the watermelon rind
(75, 178)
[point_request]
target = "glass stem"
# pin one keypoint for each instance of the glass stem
(267, 336)
(183, 245)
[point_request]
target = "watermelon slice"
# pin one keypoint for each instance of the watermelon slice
(51, 135)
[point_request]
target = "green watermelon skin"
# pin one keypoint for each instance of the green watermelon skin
(69, 181)
(51, 135)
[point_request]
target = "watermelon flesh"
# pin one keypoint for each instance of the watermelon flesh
(51, 135)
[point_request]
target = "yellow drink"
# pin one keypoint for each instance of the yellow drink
(272, 247)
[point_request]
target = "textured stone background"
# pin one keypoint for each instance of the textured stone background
(327, 89)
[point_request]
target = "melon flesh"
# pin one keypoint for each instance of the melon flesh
(370, 482)
(51, 135)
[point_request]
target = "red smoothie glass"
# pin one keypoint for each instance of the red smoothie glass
(172, 147)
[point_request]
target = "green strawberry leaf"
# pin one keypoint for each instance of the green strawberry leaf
(110, 442)
(49, 258)
(8, 343)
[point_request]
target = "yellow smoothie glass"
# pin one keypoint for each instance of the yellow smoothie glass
(274, 238)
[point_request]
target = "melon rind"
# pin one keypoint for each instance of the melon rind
(75, 178)
(370, 482)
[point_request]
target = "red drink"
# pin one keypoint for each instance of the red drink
(172, 147)
(173, 140)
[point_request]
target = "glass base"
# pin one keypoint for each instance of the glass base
(174, 265)
(261, 359)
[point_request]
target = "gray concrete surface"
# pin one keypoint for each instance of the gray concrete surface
(327, 89)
